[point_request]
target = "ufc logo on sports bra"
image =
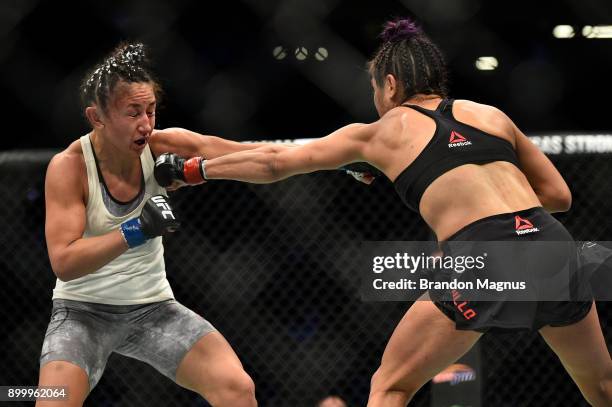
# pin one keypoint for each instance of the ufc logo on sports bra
(457, 140)
(523, 226)
(166, 211)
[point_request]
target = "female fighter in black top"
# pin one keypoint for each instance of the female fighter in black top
(472, 175)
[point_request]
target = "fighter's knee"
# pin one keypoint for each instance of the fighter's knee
(385, 387)
(376, 379)
(234, 390)
(597, 390)
(243, 385)
(605, 390)
(390, 380)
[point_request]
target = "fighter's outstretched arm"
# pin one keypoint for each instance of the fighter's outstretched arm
(186, 143)
(276, 162)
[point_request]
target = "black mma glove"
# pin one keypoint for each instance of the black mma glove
(169, 168)
(156, 219)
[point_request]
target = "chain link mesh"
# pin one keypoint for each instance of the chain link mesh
(268, 266)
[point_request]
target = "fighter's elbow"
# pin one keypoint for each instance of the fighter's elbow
(63, 277)
(557, 199)
(62, 273)
(278, 162)
(276, 167)
(61, 267)
(564, 200)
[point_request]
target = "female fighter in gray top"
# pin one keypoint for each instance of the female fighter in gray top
(105, 213)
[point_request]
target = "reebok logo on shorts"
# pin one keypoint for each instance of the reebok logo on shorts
(523, 226)
(457, 140)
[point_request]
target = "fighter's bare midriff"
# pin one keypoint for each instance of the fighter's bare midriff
(471, 192)
(466, 193)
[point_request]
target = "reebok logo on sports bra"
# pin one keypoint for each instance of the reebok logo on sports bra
(457, 140)
(453, 144)
(523, 226)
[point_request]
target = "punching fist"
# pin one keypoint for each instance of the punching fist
(171, 169)
(156, 219)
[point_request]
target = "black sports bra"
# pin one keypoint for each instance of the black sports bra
(452, 145)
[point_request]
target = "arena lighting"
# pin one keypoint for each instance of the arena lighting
(279, 52)
(301, 53)
(321, 54)
(486, 63)
(597, 31)
(563, 31)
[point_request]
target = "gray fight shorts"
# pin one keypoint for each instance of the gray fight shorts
(86, 334)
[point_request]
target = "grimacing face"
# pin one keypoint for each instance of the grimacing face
(130, 116)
